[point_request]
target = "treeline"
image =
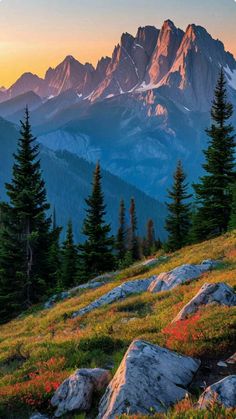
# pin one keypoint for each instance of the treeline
(212, 211)
(33, 261)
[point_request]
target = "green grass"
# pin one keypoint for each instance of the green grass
(45, 346)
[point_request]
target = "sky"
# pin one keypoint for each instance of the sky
(37, 34)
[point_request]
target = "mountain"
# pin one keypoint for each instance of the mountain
(68, 182)
(10, 108)
(185, 64)
(140, 110)
(70, 74)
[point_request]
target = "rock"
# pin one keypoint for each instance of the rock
(222, 364)
(76, 392)
(149, 378)
(89, 285)
(117, 293)
(232, 359)
(219, 293)
(149, 262)
(223, 392)
(168, 280)
(57, 297)
(38, 416)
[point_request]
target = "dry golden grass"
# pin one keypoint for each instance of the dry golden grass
(44, 335)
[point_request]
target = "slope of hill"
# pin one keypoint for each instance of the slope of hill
(43, 347)
(68, 181)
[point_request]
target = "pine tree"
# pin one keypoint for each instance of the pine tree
(12, 277)
(26, 227)
(133, 239)
(232, 221)
(121, 234)
(96, 254)
(69, 259)
(178, 220)
(150, 241)
(213, 193)
(55, 255)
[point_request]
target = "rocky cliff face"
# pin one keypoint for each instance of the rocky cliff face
(185, 65)
(139, 111)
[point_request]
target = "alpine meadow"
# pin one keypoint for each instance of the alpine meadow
(117, 210)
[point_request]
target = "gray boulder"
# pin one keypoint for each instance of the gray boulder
(219, 293)
(232, 359)
(168, 280)
(223, 392)
(149, 378)
(38, 416)
(64, 295)
(117, 293)
(76, 392)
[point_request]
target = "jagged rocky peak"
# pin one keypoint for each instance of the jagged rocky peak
(168, 42)
(147, 38)
(195, 69)
(69, 74)
(27, 82)
(126, 41)
(103, 64)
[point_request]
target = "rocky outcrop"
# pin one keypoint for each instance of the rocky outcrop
(232, 359)
(222, 392)
(57, 297)
(219, 293)
(169, 280)
(76, 392)
(162, 282)
(117, 293)
(150, 378)
(169, 40)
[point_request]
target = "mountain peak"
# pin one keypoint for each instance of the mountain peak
(70, 58)
(126, 40)
(168, 24)
(168, 42)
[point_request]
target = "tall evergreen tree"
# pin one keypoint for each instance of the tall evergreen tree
(133, 239)
(178, 220)
(12, 260)
(96, 254)
(55, 254)
(69, 259)
(150, 242)
(121, 234)
(232, 221)
(213, 192)
(26, 224)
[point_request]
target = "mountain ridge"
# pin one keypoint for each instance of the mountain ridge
(150, 59)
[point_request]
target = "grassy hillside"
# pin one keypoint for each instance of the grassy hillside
(40, 349)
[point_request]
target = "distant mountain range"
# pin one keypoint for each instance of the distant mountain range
(68, 182)
(138, 111)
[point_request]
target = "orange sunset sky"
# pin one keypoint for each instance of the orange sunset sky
(36, 34)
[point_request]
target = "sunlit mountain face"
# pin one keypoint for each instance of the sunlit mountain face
(138, 112)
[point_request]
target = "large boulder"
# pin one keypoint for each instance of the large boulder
(168, 280)
(222, 392)
(76, 392)
(117, 293)
(218, 293)
(149, 378)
